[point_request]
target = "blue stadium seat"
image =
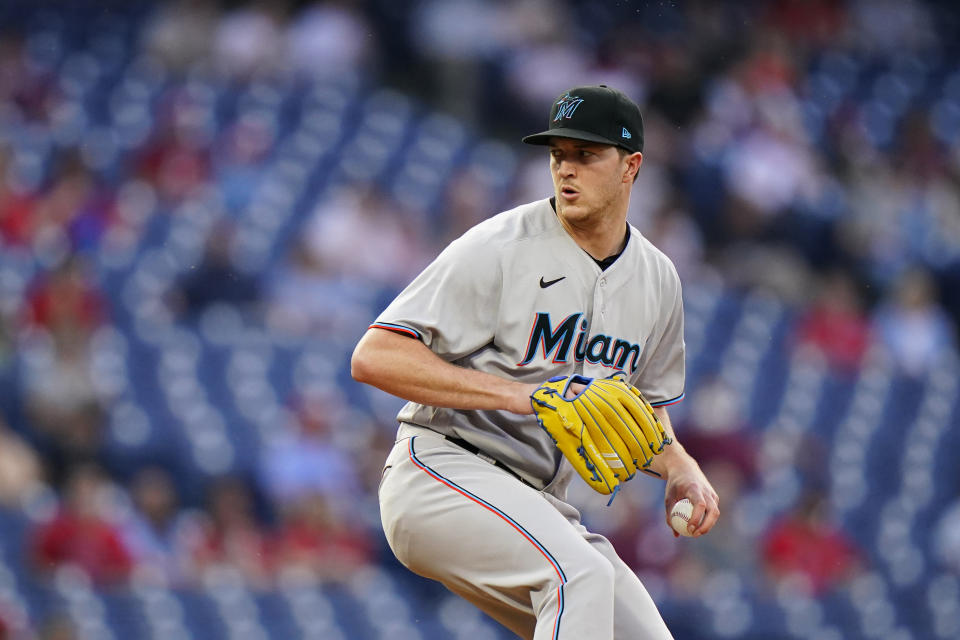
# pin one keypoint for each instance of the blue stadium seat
(200, 616)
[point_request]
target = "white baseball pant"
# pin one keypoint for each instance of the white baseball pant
(521, 555)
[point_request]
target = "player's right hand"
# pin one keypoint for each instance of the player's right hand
(685, 479)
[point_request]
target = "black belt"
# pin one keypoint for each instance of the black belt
(463, 444)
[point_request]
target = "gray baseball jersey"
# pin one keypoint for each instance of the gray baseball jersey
(515, 296)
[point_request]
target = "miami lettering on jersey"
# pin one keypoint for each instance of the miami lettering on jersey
(597, 349)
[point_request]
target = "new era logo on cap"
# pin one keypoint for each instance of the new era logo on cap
(625, 134)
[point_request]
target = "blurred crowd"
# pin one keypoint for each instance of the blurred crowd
(809, 150)
(815, 138)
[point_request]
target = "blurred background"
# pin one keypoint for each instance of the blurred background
(203, 205)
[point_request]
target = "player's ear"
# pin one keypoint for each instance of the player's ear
(634, 160)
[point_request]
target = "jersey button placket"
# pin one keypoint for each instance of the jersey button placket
(599, 299)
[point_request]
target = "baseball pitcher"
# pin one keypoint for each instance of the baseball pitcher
(544, 344)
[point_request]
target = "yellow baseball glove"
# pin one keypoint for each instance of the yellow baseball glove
(607, 431)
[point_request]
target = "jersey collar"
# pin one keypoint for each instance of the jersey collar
(609, 260)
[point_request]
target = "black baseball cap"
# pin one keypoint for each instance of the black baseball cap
(595, 113)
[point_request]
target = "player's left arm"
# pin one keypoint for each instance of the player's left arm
(685, 479)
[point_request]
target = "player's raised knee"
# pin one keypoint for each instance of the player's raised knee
(594, 574)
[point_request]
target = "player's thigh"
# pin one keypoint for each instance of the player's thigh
(449, 515)
(505, 547)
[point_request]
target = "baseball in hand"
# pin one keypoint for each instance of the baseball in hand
(680, 516)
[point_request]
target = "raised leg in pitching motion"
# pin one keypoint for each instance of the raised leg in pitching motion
(518, 554)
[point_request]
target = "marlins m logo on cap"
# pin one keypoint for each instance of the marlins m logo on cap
(566, 106)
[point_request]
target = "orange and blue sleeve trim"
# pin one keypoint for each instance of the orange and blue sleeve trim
(667, 403)
(513, 523)
(398, 328)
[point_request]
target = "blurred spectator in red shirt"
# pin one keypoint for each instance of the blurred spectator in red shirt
(81, 534)
(66, 300)
(316, 538)
(835, 324)
(232, 535)
(70, 213)
(176, 161)
(716, 427)
(808, 23)
(807, 545)
(16, 205)
(317, 490)
(769, 67)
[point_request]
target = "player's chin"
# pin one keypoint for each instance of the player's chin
(572, 209)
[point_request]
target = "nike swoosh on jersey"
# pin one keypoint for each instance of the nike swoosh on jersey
(544, 285)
